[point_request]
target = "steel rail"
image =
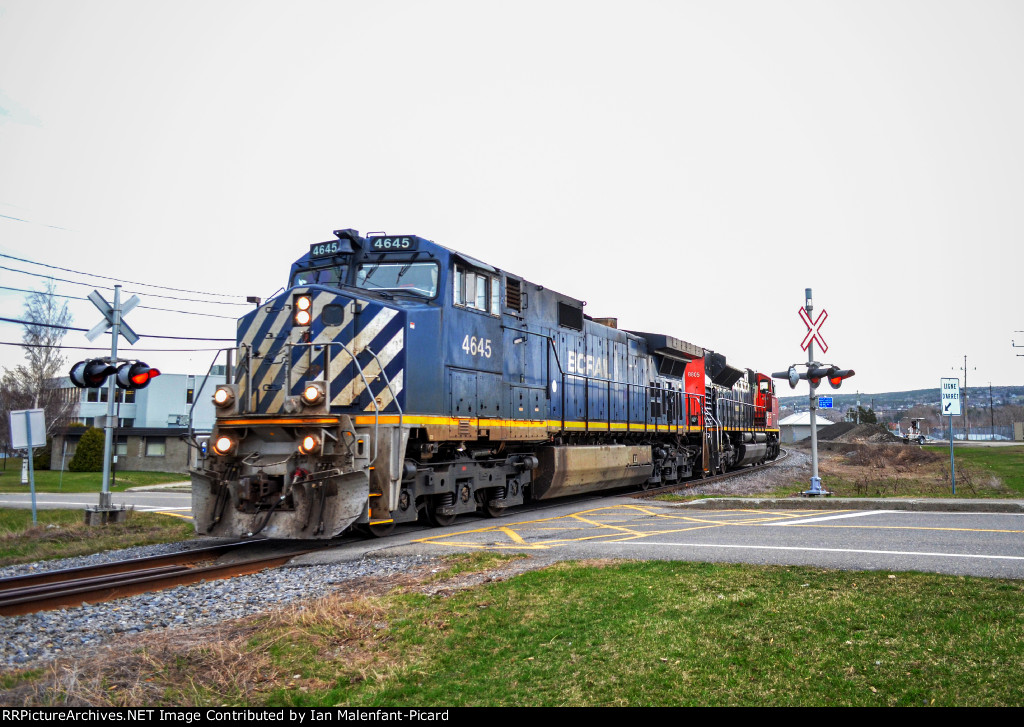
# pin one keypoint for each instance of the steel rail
(123, 566)
(74, 591)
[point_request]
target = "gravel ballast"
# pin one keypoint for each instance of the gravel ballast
(33, 639)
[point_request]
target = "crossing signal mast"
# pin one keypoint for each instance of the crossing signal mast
(814, 374)
(93, 373)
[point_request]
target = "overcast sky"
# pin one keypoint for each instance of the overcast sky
(687, 167)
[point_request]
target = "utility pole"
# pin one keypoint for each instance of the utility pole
(991, 413)
(967, 417)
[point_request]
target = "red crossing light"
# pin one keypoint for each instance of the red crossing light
(836, 376)
(135, 375)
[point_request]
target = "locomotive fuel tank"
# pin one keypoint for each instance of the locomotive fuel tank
(575, 470)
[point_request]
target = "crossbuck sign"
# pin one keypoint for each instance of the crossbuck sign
(814, 330)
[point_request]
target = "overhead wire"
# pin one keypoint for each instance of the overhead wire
(90, 285)
(119, 280)
(141, 307)
(140, 335)
(107, 348)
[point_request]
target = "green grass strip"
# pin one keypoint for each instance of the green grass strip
(678, 634)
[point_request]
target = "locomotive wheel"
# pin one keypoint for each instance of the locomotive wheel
(491, 510)
(438, 520)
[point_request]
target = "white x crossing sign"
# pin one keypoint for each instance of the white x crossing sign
(814, 330)
(108, 313)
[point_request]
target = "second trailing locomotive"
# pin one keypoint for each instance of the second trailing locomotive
(396, 379)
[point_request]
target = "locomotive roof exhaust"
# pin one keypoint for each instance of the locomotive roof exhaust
(720, 372)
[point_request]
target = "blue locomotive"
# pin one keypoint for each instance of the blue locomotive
(396, 379)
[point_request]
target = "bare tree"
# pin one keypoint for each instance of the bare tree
(36, 383)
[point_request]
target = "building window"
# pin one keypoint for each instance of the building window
(121, 448)
(156, 446)
(189, 394)
(127, 423)
(129, 396)
(93, 395)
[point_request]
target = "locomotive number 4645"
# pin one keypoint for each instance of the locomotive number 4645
(477, 346)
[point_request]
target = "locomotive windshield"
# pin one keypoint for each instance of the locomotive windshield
(333, 276)
(419, 278)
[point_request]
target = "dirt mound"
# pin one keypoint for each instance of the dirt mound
(858, 433)
(828, 434)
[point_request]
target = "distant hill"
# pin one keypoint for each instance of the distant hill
(897, 400)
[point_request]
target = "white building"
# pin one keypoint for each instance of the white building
(797, 427)
(152, 423)
(165, 403)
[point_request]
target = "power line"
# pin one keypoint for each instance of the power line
(141, 335)
(91, 285)
(107, 349)
(146, 307)
(117, 280)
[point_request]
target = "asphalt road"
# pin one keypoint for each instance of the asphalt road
(958, 540)
(960, 543)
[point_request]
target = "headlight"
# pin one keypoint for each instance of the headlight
(223, 445)
(309, 444)
(313, 394)
(223, 397)
(303, 310)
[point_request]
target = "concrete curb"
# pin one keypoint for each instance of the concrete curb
(854, 503)
(167, 486)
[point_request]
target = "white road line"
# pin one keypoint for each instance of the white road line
(24, 503)
(824, 550)
(823, 518)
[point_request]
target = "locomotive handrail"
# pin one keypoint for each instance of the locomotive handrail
(394, 398)
(195, 397)
(362, 375)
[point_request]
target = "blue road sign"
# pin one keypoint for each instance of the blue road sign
(824, 402)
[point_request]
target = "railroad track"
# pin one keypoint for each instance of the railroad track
(643, 494)
(94, 584)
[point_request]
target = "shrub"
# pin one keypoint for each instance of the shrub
(89, 453)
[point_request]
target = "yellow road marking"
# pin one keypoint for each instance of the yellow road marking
(172, 514)
(615, 528)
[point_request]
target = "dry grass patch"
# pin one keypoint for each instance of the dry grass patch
(902, 471)
(63, 534)
(340, 638)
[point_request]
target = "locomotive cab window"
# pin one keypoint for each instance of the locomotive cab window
(410, 277)
(477, 290)
(333, 276)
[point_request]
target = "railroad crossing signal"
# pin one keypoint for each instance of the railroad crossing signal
(93, 373)
(815, 374)
(814, 330)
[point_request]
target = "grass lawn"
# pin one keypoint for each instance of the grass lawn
(596, 634)
(52, 481)
(63, 534)
(1006, 463)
